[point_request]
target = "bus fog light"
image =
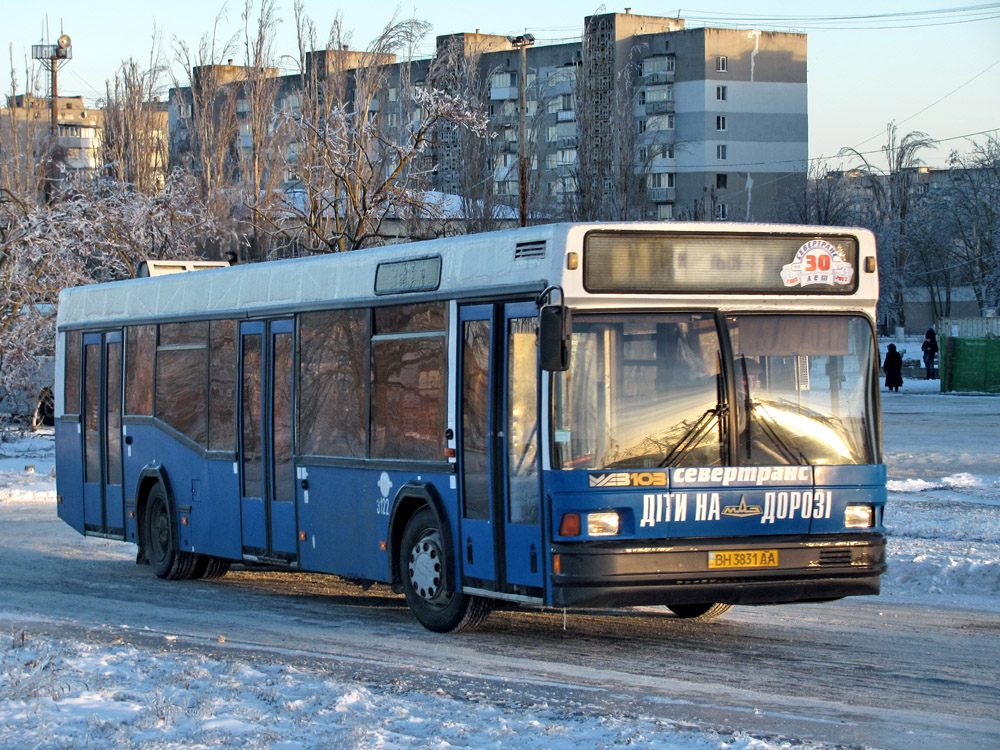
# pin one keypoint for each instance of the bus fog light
(602, 524)
(859, 517)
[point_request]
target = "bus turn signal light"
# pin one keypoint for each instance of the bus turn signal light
(570, 525)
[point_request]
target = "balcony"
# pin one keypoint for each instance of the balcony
(502, 93)
(660, 108)
(75, 141)
(661, 195)
(660, 77)
(565, 115)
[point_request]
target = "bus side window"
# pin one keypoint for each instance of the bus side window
(140, 351)
(222, 386)
(409, 380)
(181, 399)
(71, 391)
(333, 383)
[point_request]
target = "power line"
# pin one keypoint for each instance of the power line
(934, 103)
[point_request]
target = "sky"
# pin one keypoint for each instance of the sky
(870, 62)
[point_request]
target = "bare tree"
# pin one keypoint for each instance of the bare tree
(134, 138)
(892, 197)
(827, 199)
(356, 164)
(471, 157)
(975, 212)
(205, 107)
(260, 131)
(611, 183)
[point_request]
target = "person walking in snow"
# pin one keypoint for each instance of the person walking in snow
(893, 368)
(929, 348)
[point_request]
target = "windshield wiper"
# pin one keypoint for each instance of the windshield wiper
(693, 434)
(788, 449)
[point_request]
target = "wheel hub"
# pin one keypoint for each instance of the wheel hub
(425, 567)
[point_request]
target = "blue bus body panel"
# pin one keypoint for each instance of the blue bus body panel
(344, 513)
(69, 477)
(718, 501)
(210, 488)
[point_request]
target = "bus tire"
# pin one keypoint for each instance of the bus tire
(699, 611)
(207, 567)
(168, 561)
(423, 565)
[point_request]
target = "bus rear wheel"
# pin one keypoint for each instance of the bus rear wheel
(168, 561)
(423, 565)
(207, 567)
(699, 611)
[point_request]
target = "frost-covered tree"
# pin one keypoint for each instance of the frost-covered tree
(102, 233)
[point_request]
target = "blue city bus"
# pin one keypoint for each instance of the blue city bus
(568, 416)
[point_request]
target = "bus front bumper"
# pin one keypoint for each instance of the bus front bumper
(642, 573)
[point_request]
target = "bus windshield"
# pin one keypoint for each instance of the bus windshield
(652, 390)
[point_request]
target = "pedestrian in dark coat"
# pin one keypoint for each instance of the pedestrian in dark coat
(929, 348)
(893, 368)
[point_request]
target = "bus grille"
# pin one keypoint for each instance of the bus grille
(835, 557)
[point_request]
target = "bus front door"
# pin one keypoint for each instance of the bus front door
(267, 474)
(103, 498)
(501, 532)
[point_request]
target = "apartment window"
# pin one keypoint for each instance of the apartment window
(721, 93)
(665, 211)
(721, 211)
(721, 152)
(660, 180)
(721, 64)
(657, 65)
(658, 122)
(720, 122)
(721, 182)
(657, 94)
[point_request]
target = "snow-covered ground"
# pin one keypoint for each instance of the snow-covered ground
(152, 691)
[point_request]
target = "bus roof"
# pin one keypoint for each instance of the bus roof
(499, 264)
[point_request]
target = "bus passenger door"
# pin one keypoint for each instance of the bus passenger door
(103, 497)
(267, 494)
(477, 438)
(524, 556)
(501, 532)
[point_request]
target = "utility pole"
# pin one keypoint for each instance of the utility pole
(522, 43)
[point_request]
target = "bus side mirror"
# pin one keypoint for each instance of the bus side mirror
(554, 330)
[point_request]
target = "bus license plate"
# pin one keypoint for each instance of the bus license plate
(743, 558)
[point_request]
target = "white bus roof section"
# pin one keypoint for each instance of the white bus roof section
(510, 262)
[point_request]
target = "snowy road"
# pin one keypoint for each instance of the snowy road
(916, 667)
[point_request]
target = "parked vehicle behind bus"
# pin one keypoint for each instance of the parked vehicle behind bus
(570, 415)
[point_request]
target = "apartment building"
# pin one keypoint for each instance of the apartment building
(640, 119)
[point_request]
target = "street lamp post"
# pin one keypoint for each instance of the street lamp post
(522, 43)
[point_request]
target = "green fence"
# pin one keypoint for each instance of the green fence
(970, 364)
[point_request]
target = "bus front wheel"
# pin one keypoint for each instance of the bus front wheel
(160, 538)
(699, 611)
(423, 565)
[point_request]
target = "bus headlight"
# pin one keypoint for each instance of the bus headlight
(859, 517)
(603, 524)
